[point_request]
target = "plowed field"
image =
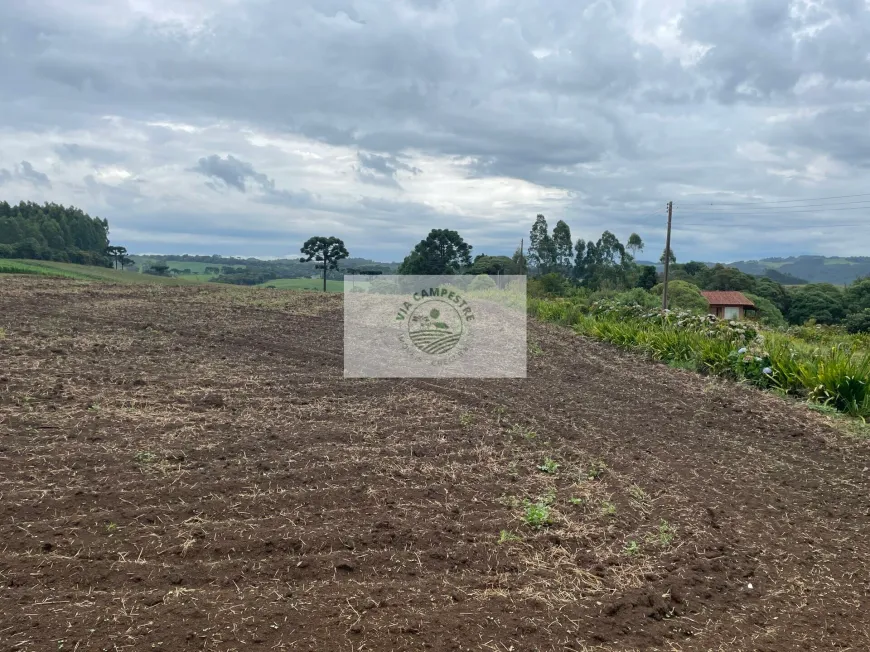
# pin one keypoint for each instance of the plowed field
(185, 468)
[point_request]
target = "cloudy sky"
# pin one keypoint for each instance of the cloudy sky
(245, 126)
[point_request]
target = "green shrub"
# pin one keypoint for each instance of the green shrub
(640, 297)
(768, 313)
(482, 282)
(821, 302)
(549, 285)
(713, 356)
(842, 380)
(752, 366)
(682, 295)
(857, 296)
(858, 322)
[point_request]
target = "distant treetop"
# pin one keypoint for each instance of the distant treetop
(53, 232)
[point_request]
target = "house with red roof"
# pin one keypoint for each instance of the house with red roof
(728, 305)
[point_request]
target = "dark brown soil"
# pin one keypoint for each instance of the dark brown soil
(186, 468)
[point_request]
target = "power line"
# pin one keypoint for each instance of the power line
(774, 209)
(771, 226)
(760, 214)
(779, 201)
(654, 213)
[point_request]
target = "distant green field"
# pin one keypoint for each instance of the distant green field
(304, 284)
(195, 268)
(838, 261)
(83, 272)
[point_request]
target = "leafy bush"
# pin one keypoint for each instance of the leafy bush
(768, 313)
(682, 295)
(640, 297)
(548, 285)
(821, 302)
(560, 311)
(482, 282)
(857, 295)
(858, 323)
(753, 366)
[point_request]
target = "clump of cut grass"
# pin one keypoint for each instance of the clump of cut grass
(466, 419)
(638, 494)
(508, 537)
(499, 412)
(510, 501)
(596, 470)
(666, 534)
(145, 457)
(521, 431)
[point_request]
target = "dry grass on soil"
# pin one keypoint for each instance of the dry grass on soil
(186, 468)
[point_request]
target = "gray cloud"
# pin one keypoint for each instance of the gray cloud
(382, 170)
(26, 172)
(842, 132)
(233, 172)
(70, 152)
(286, 198)
(117, 196)
(624, 104)
(762, 49)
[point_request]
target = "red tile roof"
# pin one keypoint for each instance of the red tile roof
(721, 298)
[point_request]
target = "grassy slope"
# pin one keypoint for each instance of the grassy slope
(197, 278)
(85, 272)
(23, 267)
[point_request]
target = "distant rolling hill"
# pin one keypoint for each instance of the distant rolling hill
(814, 269)
(797, 270)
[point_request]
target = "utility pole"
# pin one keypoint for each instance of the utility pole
(667, 256)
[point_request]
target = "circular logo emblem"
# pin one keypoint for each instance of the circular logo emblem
(435, 327)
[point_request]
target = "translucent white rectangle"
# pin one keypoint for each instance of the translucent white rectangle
(435, 327)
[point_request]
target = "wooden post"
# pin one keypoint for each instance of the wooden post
(667, 256)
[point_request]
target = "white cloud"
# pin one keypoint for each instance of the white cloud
(378, 120)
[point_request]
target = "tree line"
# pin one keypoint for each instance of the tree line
(557, 265)
(607, 267)
(54, 232)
